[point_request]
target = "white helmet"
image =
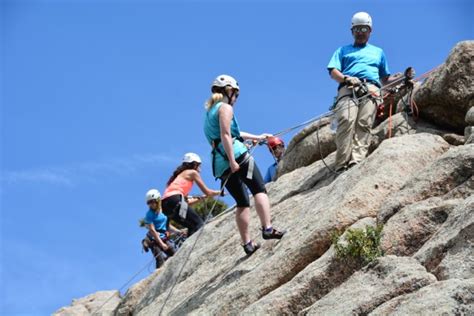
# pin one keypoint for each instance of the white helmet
(191, 157)
(361, 18)
(225, 80)
(152, 194)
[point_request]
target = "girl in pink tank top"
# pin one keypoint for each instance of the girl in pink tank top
(179, 185)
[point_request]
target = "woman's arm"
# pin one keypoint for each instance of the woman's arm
(196, 177)
(176, 230)
(249, 136)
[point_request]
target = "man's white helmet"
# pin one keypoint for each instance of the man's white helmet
(191, 157)
(225, 80)
(152, 194)
(361, 18)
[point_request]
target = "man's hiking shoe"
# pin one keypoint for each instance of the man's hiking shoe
(352, 164)
(272, 234)
(250, 247)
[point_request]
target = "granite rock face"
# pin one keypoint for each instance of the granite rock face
(103, 303)
(444, 98)
(305, 148)
(452, 297)
(389, 277)
(311, 217)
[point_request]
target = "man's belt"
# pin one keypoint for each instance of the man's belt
(375, 83)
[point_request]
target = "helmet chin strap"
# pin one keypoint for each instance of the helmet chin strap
(229, 97)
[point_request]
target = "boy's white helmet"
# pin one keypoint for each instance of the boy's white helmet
(152, 194)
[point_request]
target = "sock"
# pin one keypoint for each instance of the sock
(269, 229)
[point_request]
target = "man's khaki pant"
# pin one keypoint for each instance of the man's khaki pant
(355, 121)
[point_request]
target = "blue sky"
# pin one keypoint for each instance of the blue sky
(100, 100)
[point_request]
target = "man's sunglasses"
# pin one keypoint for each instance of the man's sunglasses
(363, 29)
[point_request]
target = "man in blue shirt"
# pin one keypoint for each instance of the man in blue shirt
(360, 69)
(277, 148)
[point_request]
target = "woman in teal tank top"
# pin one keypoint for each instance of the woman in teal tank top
(232, 163)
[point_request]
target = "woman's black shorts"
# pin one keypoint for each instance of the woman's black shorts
(239, 182)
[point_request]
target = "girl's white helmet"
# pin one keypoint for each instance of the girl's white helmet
(225, 80)
(191, 157)
(152, 194)
(361, 18)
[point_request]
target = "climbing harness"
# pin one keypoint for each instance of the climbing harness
(183, 207)
(216, 150)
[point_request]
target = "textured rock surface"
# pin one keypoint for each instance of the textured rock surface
(135, 294)
(103, 303)
(312, 216)
(403, 124)
(452, 297)
(414, 224)
(444, 97)
(389, 277)
(313, 176)
(450, 252)
(303, 149)
(400, 124)
(450, 173)
(316, 280)
(470, 114)
(469, 135)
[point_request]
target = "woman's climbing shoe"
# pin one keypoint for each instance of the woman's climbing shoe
(272, 233)
(250, 247)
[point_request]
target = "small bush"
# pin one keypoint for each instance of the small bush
(361, 245)
(204, 206)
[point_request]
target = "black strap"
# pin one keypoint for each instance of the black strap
(215, 148)
(375, 83)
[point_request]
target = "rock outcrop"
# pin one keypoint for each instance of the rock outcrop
(419, 184)
(134, 295)
(444, 98)
(469, 130)
(102, 303)
(313, 143)
(389, 277)
(452, 297)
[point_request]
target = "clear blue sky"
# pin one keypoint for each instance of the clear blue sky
(100, 100)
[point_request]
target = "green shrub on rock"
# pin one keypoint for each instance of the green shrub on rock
(359, 244)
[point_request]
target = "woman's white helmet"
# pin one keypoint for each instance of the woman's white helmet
(191, 157)
(225, 80)
(152, 194)
(361, 18)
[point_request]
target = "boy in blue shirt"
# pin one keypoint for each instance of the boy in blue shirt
(354, 67)
(277, 148)
(158, 229)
